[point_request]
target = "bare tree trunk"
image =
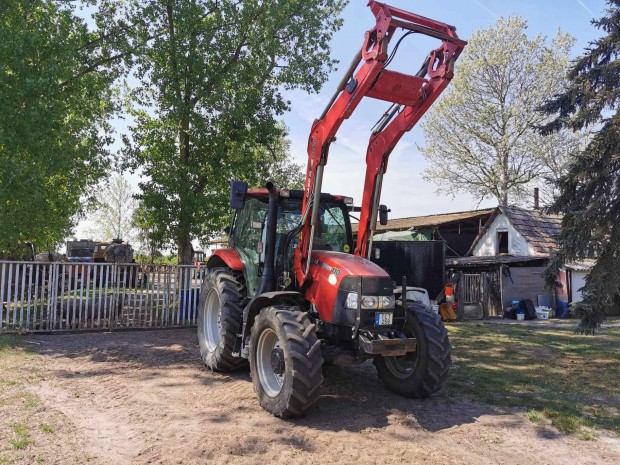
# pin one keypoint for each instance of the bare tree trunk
(503, 201)
(184, 252)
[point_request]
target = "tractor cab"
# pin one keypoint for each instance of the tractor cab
(249, 229)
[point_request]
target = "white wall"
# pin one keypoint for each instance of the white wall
(517, 245)
(577, 281)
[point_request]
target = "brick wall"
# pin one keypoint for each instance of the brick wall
(526, 283)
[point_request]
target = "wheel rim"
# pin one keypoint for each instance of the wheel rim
(401, 367)
(211, 324)
(267, 361)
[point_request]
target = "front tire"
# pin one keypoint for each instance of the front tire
(285, 361)
(423, 372)
(219, 320)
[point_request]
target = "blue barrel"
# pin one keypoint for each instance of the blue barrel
(562, 310)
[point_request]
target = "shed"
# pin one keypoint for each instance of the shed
(457, 230)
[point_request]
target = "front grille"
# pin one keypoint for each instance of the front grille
(365, 286)
(368, 319)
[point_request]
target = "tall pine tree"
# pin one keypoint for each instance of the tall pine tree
(590, 191)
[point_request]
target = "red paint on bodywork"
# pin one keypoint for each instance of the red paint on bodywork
(323, 294)
(416, 93)
(230, 257)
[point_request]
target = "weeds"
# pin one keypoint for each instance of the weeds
(23, 439)
(46, 428)
(535, 416)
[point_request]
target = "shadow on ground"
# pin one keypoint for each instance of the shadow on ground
(353, 398)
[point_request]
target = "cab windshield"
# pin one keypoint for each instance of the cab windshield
(332, 233)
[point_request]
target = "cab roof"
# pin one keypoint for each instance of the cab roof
(296, 194)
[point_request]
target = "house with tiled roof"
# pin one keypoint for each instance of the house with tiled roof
(514, 246)
(501, 253)
(517, 232)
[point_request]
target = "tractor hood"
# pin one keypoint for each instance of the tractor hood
(335, 274)
(343, 264)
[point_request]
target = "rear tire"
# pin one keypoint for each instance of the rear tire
(219, 320)
(423, 372)
(285, 361)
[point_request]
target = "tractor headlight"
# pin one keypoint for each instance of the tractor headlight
(369, 301)
(352, 300)
(385, 302)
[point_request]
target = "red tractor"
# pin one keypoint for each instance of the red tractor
(293, 289)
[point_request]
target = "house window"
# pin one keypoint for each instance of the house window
(502, 242)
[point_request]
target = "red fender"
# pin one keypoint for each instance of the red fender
(225, 257)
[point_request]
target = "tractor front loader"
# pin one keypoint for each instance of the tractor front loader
(293, 288)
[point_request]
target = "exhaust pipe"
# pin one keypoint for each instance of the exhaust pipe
(268, 281)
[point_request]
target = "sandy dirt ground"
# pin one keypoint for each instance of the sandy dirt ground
(145, 397)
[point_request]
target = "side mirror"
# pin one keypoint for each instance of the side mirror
(383, 214)
(238, 189)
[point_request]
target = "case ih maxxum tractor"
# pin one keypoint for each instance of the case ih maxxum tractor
(294, 289)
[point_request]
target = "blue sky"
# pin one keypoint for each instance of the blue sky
(404, 191)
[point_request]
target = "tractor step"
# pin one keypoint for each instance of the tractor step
(385, 346)
(236, 352)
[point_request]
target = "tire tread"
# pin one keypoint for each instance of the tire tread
(307, 362)
(436, 361)
(229, 286)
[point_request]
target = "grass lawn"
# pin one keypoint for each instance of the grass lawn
(555, 375)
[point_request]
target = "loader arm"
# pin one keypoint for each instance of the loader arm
(412, 95)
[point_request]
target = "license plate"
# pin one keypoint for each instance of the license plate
(383, 319)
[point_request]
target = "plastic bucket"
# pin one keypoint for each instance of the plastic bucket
(520, 316)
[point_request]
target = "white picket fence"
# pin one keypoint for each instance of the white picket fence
(48, 297)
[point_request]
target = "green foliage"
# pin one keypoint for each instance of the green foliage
(150, 235)
(211, 75)
(481, 138)
(589, 191)
(55, 101)
(157, 258)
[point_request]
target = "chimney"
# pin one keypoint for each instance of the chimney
(536, 204)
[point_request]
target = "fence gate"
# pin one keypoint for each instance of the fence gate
(38, 296)
(479, 294)
(492, 302)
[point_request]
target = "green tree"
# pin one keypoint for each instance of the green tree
(590, 190)
(481, 138)
(151, 238)
(211, 75)
(55, 103)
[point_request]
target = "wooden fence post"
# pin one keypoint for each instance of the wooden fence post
(460, 296)
(485, 294)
